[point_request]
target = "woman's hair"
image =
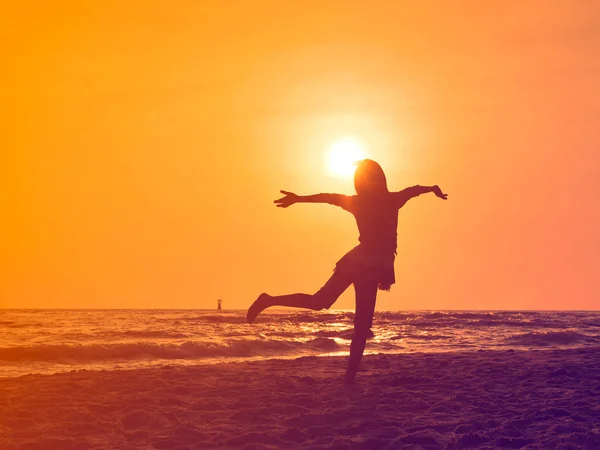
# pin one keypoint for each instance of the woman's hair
(369, 178)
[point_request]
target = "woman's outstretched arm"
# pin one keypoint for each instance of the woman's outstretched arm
(414, 191)
(290, 198)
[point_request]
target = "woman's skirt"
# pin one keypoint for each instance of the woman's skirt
(364, 264)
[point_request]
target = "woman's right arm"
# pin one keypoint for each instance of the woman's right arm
(343, 201)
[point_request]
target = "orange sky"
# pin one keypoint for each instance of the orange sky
(144, 145)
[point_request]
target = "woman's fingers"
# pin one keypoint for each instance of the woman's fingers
(282, 202)
(286, 201)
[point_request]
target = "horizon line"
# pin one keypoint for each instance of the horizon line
(283, 307)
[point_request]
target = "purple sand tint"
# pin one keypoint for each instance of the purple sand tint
(48, 341)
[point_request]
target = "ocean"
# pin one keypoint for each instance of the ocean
(51, 341)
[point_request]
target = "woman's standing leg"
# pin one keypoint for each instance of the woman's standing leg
(322, 299)
(366, 295)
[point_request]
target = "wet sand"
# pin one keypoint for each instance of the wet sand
(509, 399)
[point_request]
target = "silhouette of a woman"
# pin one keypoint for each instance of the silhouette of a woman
(369, 265)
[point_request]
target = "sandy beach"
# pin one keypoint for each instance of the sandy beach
(487, 399)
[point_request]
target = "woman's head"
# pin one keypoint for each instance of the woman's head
(369, 178)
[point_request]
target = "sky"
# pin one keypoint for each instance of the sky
(145, 142)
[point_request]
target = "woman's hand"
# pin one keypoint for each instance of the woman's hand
(438, 193)
(289, 199)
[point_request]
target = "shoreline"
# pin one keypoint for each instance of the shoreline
(225, 361)
(341, 354)
(473, 399)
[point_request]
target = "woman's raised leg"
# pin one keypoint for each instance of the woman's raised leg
(322, 299)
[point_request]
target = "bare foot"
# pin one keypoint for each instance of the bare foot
(257, 307)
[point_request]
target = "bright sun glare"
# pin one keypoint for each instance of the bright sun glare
(342, 154)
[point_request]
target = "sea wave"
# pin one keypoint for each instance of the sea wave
(13, 324)
(296, 317)
(150, 334)
(419, 337)
(546, 338)
(457, 319)
(149, 350)
(215, 318)
(483, 319)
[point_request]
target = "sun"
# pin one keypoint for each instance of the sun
(342, 156)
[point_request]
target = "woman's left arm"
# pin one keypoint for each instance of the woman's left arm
(414, 191)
